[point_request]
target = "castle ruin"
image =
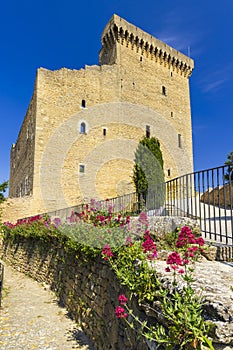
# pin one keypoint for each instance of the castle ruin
(82, 127)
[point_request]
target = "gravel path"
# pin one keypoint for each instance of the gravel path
(30, 318)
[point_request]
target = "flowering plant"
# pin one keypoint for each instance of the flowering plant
(180, 309)
(100, 214)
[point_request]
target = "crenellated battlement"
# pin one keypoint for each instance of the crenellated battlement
(120, 31)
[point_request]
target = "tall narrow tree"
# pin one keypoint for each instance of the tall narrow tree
(3, 188)
(148, 173)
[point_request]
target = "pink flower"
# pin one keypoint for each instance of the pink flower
(185, 237)
(147, 234)
(149, 247)
(120, 312)
(122, 299)
(153, 255)
(200, 241)
(107, 252)
(46, 224)
(174, 258)
(181, 271)
(57, 222)
(128, 241)
(167, 269)
(143, 218)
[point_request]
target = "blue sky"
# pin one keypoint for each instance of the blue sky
(55, 34)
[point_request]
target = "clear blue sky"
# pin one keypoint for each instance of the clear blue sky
(55, 34)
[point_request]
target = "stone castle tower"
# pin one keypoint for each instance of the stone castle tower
(82, 127)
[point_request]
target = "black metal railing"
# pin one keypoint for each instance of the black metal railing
(126, 204)
(205, 195)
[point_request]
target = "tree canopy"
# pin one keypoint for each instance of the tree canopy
(229, 174)
(3, 188)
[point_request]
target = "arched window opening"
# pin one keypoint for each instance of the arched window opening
(82, 128)
(81, 168)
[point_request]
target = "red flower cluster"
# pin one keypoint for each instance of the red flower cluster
(122, 299)
(186, 237)
(174, 260)
(120, 312)
(149, 246)
(129, 241)
(143, 219)
(107, 252)
(98, 215)
(24, 221)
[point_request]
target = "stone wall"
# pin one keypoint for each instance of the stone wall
(13, 209)
(89, 290)
(22, 155)
(220, 196)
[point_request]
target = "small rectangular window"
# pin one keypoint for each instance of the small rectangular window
(21, 190)
(172, 114)
(81, 168)
(104, 131)
(82, 128)
(164, 90)
(148, 131)
(83, 104)
(26, 185)
(179, 141)
(168, 172)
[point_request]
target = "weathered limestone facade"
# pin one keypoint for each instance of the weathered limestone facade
(82, 126)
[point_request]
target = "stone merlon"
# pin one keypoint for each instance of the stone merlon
(118, 29)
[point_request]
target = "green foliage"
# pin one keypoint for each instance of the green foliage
(186, 325)
(95, 236)
(229, 174)
(35, 230)
(148, 173)
(3, 188)
(132, 269)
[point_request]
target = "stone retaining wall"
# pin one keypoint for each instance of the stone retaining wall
(89, 290)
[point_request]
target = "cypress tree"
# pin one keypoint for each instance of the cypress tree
(148, 173)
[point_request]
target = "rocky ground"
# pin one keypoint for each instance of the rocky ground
(30, 318)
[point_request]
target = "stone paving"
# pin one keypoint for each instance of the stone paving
(30, 318)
